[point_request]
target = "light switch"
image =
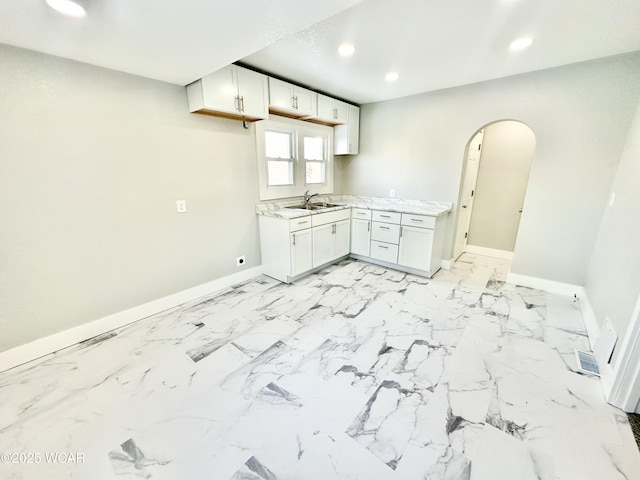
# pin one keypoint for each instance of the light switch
(181, 206)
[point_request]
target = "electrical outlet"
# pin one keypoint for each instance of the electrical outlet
(392, 193)
(240, 261)
(181, 206)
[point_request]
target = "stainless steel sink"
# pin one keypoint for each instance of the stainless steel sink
(314, 206)
(325, 205)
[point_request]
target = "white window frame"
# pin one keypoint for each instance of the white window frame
(299, 130)
(294, 152)
(325, 155)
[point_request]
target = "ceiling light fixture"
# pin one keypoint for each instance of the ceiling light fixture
(521, 43)
(346, 49)
(68, 7)
(392, 76)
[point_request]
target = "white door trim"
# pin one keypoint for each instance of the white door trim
(624, 391)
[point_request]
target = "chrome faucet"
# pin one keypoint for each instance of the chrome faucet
(307, 198)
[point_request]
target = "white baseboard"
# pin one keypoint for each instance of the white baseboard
(44, 346)
(569, 289)
(489, 252)
(446, 264)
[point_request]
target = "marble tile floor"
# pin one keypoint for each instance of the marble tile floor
(356, 372)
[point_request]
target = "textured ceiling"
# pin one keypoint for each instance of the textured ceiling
(433, 44)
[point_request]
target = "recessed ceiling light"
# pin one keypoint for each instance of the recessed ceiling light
(521, 43)
(346, 49)
(392, 76)
(67, 7)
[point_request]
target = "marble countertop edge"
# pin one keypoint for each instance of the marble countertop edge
(419, 207)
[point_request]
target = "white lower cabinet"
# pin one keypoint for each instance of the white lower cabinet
(416, 245)
(408, 242)
(301, 252)
(361, 231)
(330, 241)
(291, 248)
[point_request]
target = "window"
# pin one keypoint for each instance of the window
(315, 157)
(293, 156)
(279, 154)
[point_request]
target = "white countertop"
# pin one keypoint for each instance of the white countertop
(418, 207)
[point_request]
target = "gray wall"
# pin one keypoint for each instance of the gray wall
(580, 115)
(613, 277)
(508, 148)
(91, 164)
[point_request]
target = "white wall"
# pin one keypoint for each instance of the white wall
(91, 164)
(613, 277)
(508, 149)
(580, 116)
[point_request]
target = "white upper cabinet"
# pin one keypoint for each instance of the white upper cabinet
(331, 111)
(291, 100)
(347, 137)
(232, 92)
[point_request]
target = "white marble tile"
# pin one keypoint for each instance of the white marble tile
(354, 372)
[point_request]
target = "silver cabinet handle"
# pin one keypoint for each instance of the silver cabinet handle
(360, 213)
(237, 99)
(368, 226)
(333, 228)
(300, 223)
(385, 216)
(383, 228)
(242, 104)
(382, 246)
(294, 239)
(401, 231)
(416, 220)
(335, 113)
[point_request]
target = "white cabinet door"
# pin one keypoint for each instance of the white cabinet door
(330, 241)
(360, 236)
(290, 99)
(416, 245)
(342, 111)
(341, 239)
(306, 103)
(232, 92)
(220, 90)
(301, 254)
(253, 92)
(346, 137)
(332, 111)
(322, 244)
(325, 108)
(280, 94)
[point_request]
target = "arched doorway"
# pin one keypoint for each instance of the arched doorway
(494, 181)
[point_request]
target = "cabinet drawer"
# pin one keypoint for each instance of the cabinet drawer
(389, 217)
(296, 224)
(384, 251)
(361, 213)
(422, 221)
(330, 217)
(385, 232)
